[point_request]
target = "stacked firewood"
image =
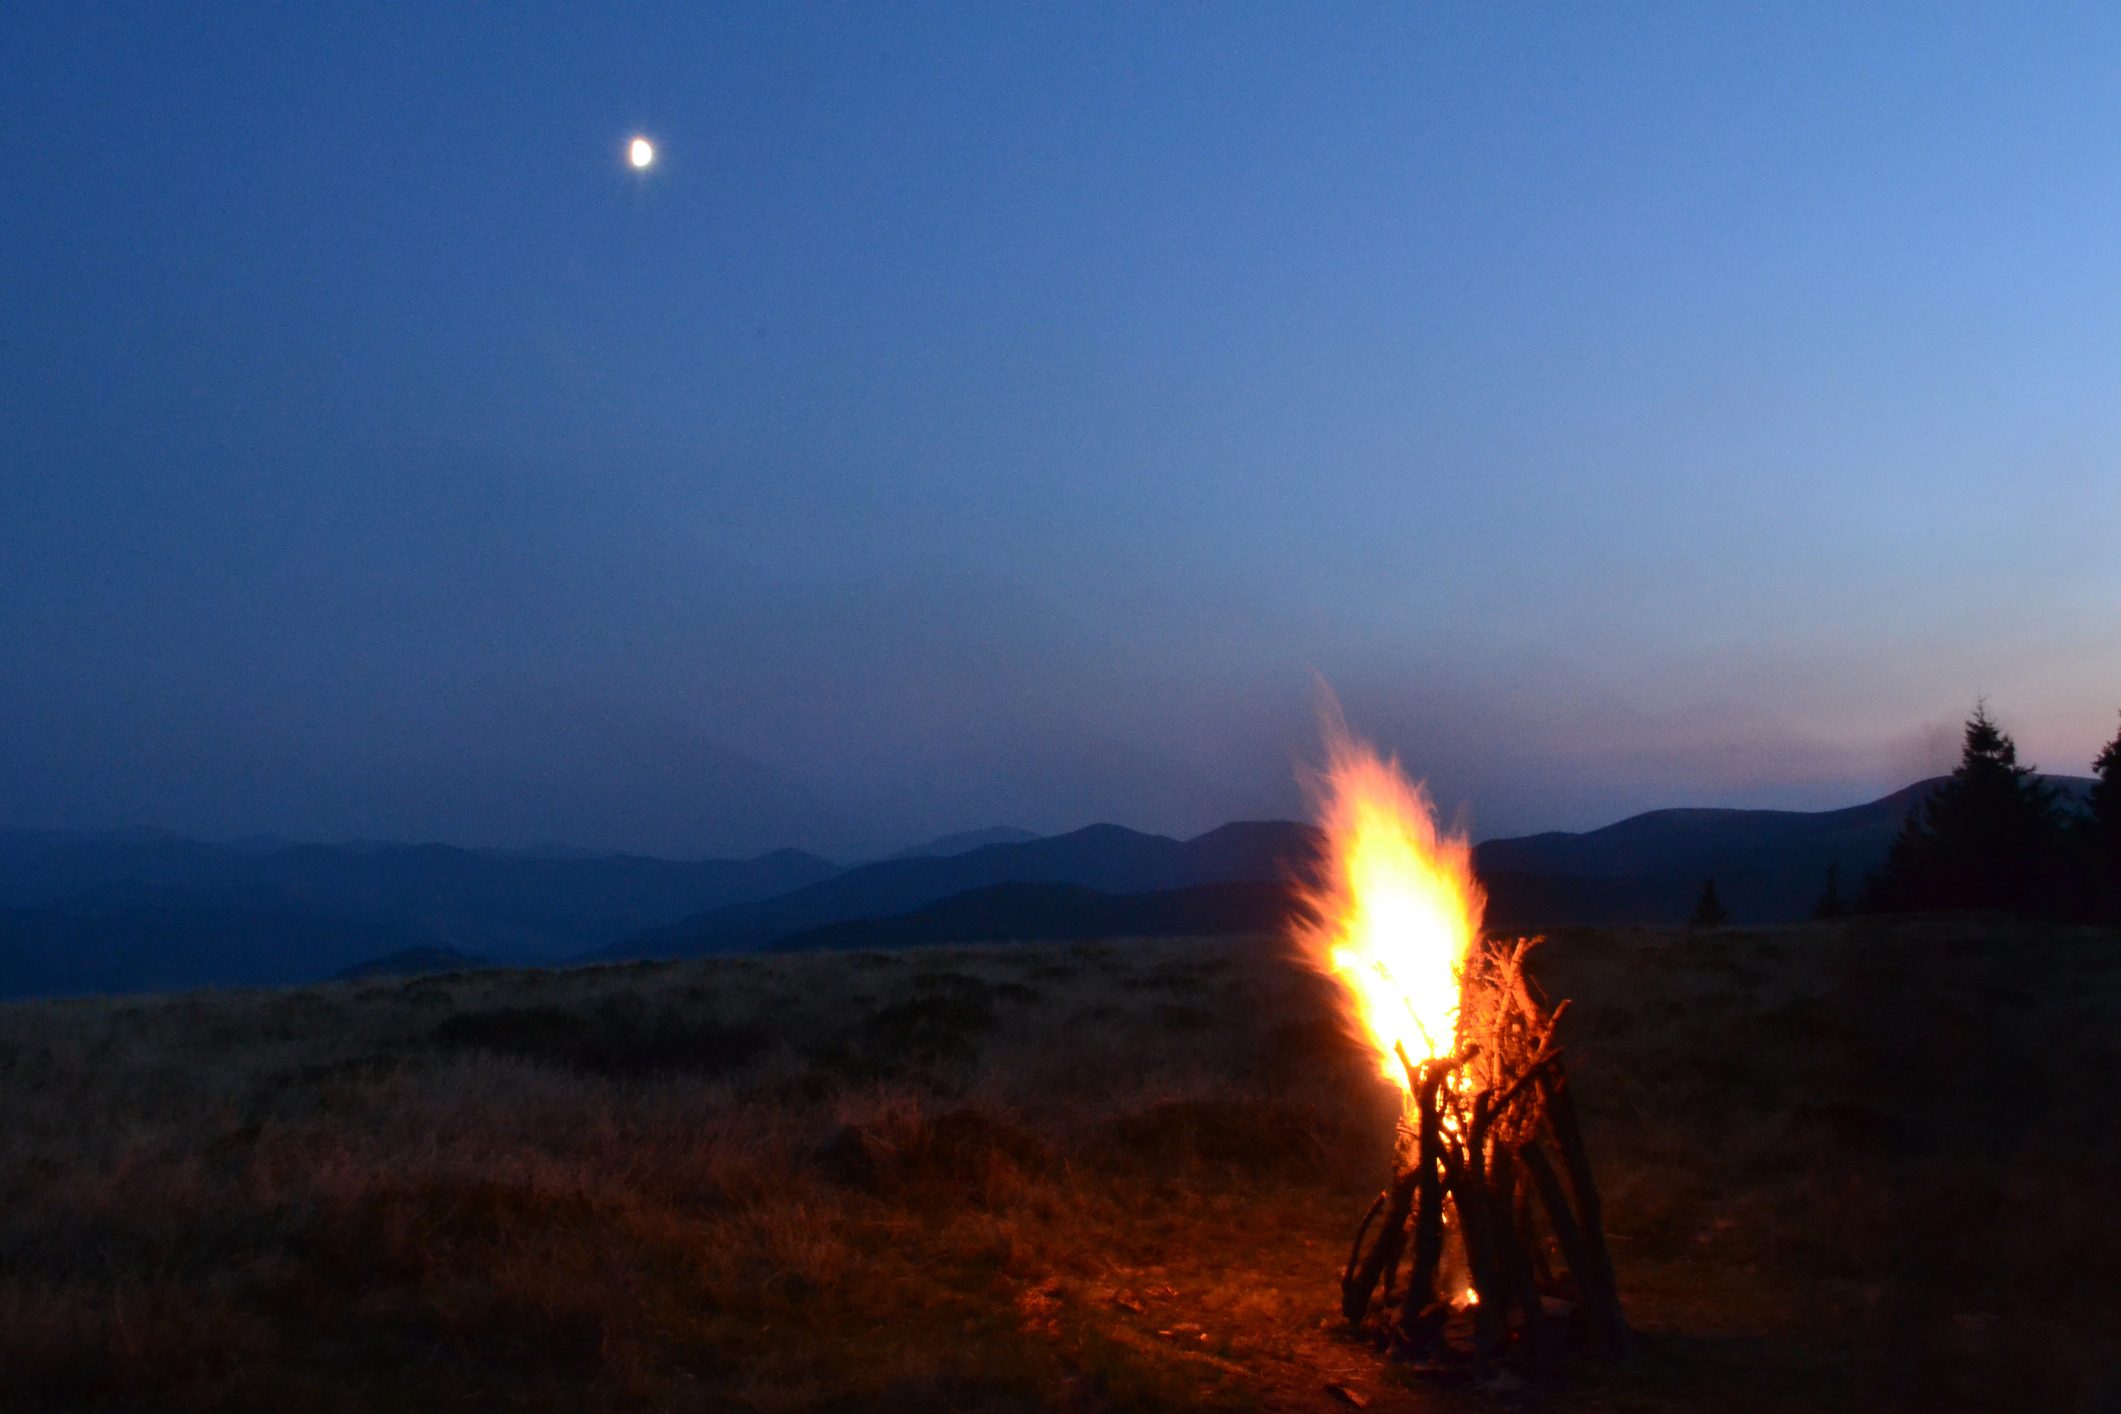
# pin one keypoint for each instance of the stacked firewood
(1492, 1208)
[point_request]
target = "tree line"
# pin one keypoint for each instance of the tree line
(1996, 837)
(1993, 837)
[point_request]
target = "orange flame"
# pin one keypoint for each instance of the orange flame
(1395, 911)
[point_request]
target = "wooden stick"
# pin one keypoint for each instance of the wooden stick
(1476, 1228)
(1566, 1230)
(1429, 1152)
(1601, 1289)
(1521, 984)
(1347, 1273)
(1391, 1279)
(1505, 1183)
(1542, 1268)
(1484, 1116)
(1358, 1283)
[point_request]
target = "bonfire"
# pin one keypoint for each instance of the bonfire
(1487, 1244)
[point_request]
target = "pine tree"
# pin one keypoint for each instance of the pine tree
(1898, 878)
(1982, 840)
(2103, 818)
(1830, 904)
(1708, 910)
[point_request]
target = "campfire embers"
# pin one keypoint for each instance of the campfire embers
(1492, 1209)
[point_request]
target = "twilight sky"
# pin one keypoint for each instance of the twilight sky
(1000, 413)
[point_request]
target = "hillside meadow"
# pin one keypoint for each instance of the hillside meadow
(1866, 1166)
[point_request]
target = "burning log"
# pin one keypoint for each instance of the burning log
(1363, 1273)
(1482, 1150)
(1489, 1160)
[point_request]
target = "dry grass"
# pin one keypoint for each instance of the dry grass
(1865, 1166)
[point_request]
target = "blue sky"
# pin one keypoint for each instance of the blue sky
(1002, 413)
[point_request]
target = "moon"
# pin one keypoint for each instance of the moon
(640, 152)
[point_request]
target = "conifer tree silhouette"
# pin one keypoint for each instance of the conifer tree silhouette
(2103, 821)
(1830, 903)
(1981, 840)
(1709, 911)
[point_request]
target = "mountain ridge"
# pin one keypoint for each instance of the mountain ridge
(1646, 868)
(1109, 858)
(127, 910)
(512, 908)
(965, 841)
(1037, 912)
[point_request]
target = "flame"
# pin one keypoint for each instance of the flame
(1395, 911)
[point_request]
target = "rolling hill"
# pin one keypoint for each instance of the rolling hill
(413, 962)
(141, 910)
(965, 841)
(1108, 858)
(509, 907)
(137, 910)
(50, 953)
(1038, 912)
(516, 907)
(1770, 866)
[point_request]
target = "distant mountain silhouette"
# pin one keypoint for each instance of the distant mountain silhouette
(1687, 840)
(1107, 858)
(144, 910)
(1649, 868)
(48, 953)
(412, 962)
(1028, 912)
(965, 841)
(1769, 865)
(521, 907)
(39, 868)
(535, 909)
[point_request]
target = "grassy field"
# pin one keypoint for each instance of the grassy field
(1866, 1166)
